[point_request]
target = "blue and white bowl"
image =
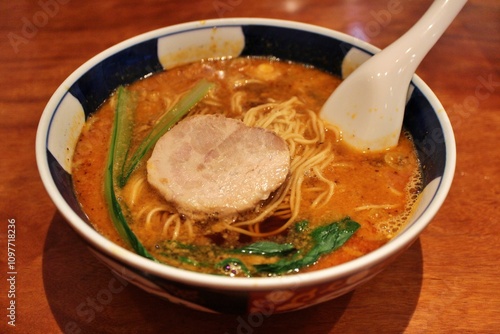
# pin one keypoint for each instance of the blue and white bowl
(84, 90)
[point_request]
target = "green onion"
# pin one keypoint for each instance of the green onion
(164, 124)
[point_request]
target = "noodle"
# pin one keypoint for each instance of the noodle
(136, 189)
(284, 119)
(376, 207)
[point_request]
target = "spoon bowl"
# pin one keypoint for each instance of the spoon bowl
(373, 121)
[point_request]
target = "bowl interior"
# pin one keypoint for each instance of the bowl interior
(86, 89)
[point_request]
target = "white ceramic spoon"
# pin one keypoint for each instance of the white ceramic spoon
(368, 106)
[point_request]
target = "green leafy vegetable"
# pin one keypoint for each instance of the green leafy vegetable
(301, 226)
(164, 124)
(265, 248)
(189, 261)
(122, 130)
(330, 237)
(325, 239)
(120, 140)
(301, 250)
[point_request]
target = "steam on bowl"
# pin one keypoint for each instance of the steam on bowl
(91, 84)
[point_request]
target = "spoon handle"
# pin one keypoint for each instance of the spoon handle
(426, 31)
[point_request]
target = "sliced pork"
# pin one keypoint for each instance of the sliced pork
(217, 167)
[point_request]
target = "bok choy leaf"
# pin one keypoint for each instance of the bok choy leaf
(120, 142)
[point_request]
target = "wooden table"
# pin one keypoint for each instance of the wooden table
(447, 282)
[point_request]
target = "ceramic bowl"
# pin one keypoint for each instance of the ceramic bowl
(84, 90)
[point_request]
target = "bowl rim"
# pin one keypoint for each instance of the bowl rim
(107, 247)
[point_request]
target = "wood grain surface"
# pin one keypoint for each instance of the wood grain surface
(447, 282)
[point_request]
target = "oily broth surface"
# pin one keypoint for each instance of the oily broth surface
(375, 189)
